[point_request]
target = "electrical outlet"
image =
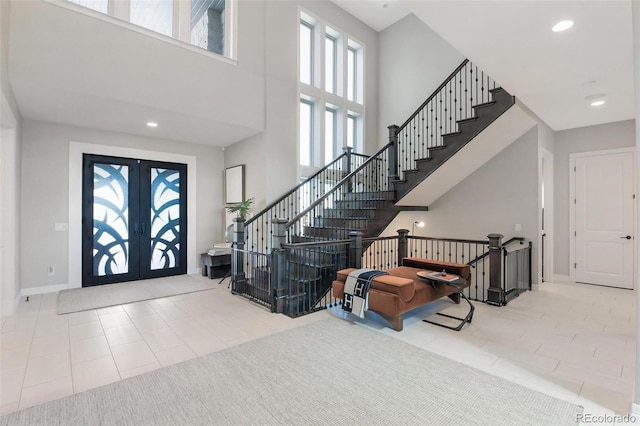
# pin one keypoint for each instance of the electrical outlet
(518, 227)
(61, 226)
(51, 271)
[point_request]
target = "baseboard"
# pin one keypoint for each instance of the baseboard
(561, 279)
(44, 289)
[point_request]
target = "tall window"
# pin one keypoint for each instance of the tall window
(331, 81)
(330, 128)
(330, 71)
(306, 53)
(202, 23)
(306, 132)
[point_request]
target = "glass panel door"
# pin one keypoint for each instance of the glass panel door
(164, 218)
(134, 219)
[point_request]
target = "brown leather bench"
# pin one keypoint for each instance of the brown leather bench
(401, 291)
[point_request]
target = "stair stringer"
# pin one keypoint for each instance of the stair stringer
(505, 130)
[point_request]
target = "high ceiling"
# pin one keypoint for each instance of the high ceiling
(554, 74)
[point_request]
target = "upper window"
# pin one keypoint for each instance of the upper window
(330, 63)
(155, 15)
(205, 24)
(208, 25)
(306, 53)
(331, 77)
(99, 5)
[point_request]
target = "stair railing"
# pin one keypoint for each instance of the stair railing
(452, 101)
(258, 229)
(325, 217)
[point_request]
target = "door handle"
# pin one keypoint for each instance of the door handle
(135, 228)
(144, 229)
(628, 237)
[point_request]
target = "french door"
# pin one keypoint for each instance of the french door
(134, 219)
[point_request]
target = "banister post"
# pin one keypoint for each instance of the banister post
(403, 245)
(355, 249)
(238, 276)
(495, 292)
(278, 272)
(393, 153)
(346, 164)
(346, 161)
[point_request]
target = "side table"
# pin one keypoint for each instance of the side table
(456, 283)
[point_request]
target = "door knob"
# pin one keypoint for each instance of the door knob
(628, 237)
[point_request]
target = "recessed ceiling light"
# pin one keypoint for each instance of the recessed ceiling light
(152, 124)
(597, 103)
(596, 99)
(562, 26)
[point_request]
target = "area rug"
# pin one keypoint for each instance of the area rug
(101, 296)
(324, 373)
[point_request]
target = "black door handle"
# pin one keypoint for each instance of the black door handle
(628, 237)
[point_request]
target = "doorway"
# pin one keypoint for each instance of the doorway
(603, 217)
(134, 219)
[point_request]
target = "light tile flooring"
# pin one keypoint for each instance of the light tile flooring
(571, 341)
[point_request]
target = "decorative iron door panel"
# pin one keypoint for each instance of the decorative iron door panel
(134, 219)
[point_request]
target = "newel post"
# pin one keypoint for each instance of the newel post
(238, 277)
(403, 245)
(393, 153)
(495, 293)
(279, 283)
(355, 249)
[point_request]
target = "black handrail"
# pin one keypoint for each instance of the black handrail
(338, 185)
(295, 188)
(433, 95)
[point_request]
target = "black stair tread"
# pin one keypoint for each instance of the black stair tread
(451, 134)
(484, 105)
(466, 120)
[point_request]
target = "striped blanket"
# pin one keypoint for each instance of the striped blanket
(356, 290)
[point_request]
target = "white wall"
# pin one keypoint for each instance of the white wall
(271, 157)
(493, 199)
(592, 138)
(45, 194)
(413, 62)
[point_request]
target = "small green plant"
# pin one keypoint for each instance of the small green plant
(243, 209)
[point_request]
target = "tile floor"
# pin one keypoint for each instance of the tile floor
(572, 341)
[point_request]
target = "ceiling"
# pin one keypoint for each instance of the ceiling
(551, 73)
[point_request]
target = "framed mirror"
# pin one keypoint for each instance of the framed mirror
(234, 184)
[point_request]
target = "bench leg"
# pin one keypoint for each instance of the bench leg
(396, 322)
(463, 321)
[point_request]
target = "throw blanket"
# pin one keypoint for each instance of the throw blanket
(356, 290)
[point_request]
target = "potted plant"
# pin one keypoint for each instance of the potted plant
(242, 209)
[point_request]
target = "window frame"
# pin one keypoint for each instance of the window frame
(335, 98)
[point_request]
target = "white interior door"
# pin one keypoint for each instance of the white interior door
(604, 224)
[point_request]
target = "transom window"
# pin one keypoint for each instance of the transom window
(330, 91)
(205, 24)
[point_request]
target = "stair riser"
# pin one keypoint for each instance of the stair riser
(341, 223)
(338, 234)
(378, 195)
(348, 213)
(356, 204)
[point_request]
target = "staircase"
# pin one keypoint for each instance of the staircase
(359, 193)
